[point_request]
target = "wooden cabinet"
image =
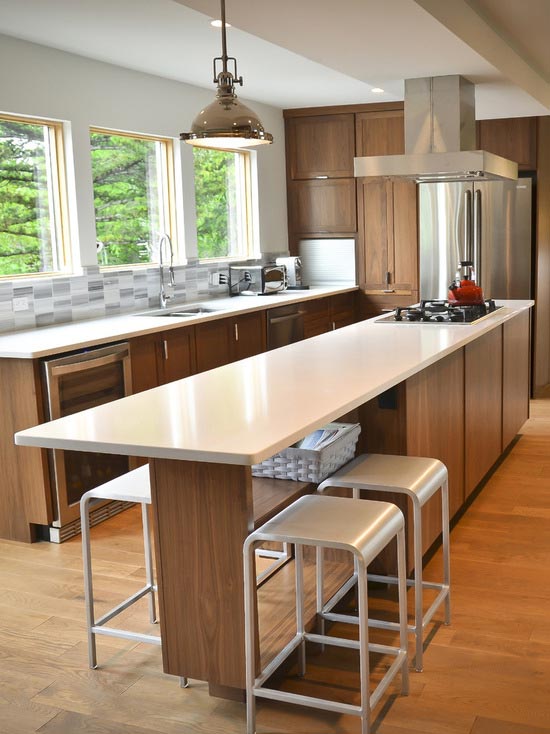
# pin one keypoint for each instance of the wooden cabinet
(483, 406)
(515, 376)
(380, 133)
(513, 138)
(227, 340)
(162, 357)
(326, 314)
(388, 238)
(322, 207)
(321, 146)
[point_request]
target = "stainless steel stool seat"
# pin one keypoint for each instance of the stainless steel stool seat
(132, 487)
(363, 529)
(419, 478)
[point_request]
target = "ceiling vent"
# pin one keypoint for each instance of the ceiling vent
(440, 136)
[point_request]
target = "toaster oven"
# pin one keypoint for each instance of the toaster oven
(256, 280)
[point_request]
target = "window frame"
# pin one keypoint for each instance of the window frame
(168, 165)
(246, 156)
(63, 252)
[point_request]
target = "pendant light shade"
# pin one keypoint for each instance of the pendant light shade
(226, 122)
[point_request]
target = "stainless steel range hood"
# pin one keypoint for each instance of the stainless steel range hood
(440, 137)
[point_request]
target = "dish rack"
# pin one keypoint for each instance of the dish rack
(312, 465)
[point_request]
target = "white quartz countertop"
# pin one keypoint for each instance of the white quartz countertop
(245, 412)
(45, 341)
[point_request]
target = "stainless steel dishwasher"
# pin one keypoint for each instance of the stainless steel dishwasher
(73, 383)
(285, 325)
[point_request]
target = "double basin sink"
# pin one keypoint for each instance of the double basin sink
(182, 311)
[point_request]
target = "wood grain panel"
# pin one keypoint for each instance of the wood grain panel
(435, 428)
(213, 344)
(541, 377)
(25, 488)
(322, 206)
(251, 330)
(203, 513)
(483, 406)
(380, 133)
(143, 355)
(515, 376)
(514, 138)
(316, 317)
(175, 354)
(375, 221)
(343, 309)
(404, 260)
(323, 145)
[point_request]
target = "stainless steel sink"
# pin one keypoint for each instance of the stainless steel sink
(181, 312)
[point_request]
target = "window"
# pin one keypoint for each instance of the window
(222, 194)
(32, 197)
(131, 179)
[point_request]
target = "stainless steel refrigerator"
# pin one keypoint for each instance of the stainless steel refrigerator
(488, 223)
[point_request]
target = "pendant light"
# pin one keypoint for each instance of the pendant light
(227, 122)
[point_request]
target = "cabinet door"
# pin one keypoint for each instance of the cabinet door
(515, 376)
(322, 207)
(483, 406)
(321, 145)
(343, 309)
(403, 255)
(380, 133)
(213, 344)
(249, 335)
(176, 354)
(375, 229)
(316, 317)
(143, 355)
(514, 138)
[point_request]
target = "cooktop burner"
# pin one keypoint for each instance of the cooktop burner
(438, 312)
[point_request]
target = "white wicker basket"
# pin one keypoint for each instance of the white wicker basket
(311, 465)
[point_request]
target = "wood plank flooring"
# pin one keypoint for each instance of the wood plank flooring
(488, 673)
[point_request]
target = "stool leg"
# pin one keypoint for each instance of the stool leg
(88, 587)
(364, 666)
(300, 626)
(403, 626)
(418, 612)
(148, 562)
(319, 588)
(446, 548)
(249, 634)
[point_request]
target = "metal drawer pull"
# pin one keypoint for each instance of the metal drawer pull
(165, 348)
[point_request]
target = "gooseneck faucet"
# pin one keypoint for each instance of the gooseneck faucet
(163, 240)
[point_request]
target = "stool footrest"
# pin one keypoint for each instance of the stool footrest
(439, 599)
(400, 660)
(125, 634)
(124, 605)
(317, 703)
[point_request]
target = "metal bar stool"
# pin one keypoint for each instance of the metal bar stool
(419, 479)
(363, 529)
(132, 487)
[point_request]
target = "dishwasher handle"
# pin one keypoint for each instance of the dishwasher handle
(290, 317)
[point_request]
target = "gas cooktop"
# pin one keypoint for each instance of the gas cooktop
(440, 312)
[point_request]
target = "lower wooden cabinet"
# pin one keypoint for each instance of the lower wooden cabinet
(227, 340)
(327, 314)
(162, 357)
(515, 376)
(483, 406)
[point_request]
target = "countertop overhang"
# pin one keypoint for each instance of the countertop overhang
(247, 411)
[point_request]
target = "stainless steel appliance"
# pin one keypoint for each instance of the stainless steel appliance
(440, 312)
(74, 383)
(488, 223)
(256, 280)
(293, 267)
(285, 325)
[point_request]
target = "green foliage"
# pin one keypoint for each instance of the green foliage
(126, 197)
(25, 227)
(214, 195)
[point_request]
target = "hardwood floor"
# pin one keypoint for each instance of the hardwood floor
(488, 673)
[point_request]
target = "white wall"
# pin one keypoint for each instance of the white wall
(37, 80)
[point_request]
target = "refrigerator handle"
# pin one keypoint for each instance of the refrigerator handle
(467, 254)
(476, 259)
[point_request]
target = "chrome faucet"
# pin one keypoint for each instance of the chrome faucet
(163, 240)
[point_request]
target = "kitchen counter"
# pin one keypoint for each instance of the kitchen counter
(201, 435)
(45, 341)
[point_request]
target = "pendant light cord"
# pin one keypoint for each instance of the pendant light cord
(224, 39)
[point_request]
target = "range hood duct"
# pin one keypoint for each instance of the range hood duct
(440, 137)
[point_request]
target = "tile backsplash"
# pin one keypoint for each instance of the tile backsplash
(26, 304)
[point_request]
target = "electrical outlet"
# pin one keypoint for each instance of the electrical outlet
(21, 303)
(217, 279)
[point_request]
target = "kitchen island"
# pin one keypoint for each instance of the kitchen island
(202, 434)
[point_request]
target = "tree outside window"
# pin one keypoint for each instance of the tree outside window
(30, 198)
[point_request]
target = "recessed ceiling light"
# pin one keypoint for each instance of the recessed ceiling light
(218, 24)
(377, 90)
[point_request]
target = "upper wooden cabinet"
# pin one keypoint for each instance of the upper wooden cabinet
(321, 145)
(322, 207)
(514, 138)
(388, 239)
(380, 133)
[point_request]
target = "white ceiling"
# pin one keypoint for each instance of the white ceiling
(312, 52)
